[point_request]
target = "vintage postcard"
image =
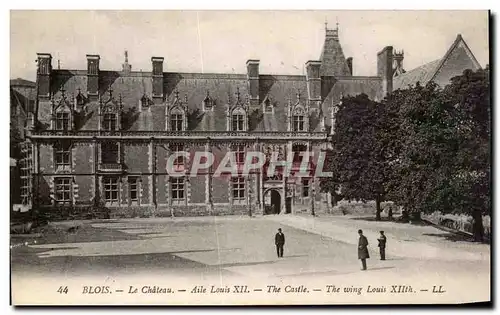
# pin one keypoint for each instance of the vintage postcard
(250, 157)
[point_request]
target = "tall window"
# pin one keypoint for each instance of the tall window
(176, 121)
(62, 152)
(238, 120)
(62, 190)
(109, 122)
(110, 153)
(111, 189)
(238, 186)
(177, 188)
(62, 121)
(239, 153)
(298, 152)
(178, 148)
(305, 188)
(133, 187)
(298, 123)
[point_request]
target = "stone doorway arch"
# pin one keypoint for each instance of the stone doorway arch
(272, 201)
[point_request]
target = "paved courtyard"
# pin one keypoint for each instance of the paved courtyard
(318, 251)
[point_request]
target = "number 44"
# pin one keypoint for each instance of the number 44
(62, 290)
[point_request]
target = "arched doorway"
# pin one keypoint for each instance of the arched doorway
(272, 202)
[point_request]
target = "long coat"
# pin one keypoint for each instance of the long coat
(363, 248)
(279, 239)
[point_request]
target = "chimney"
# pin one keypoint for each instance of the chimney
(384, 69)
(126, 67)
(253, 81)
(93, 76)
(157, 76)
(398, 63)
(43, 73)
(349, 64)
(313, 80)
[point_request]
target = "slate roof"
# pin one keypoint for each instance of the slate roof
(22, 82)
(221, 88)
(333, 61)
(422, 74)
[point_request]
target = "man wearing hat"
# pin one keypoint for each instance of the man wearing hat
(382, 240)
(363, 249)
(279, 240)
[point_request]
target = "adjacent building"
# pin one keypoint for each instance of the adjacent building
(101, 138)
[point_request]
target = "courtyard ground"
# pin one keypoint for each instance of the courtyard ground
(223, 251)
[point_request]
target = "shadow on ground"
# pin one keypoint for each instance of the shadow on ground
(155, 263)
(454, 237)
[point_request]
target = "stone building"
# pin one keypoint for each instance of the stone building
(102, 137)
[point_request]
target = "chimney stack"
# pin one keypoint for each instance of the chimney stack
(313, 79)
(93, 76)
(157, 76)
(253, 81)
(43, 73)
(384, 69)
(349, 64)
(126, 67)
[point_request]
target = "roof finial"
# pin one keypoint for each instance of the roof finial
(238, 94)
(126, 56)
(337, 24)
(58, 64)
(110, 93)
(326, 23)
(298, 95)
(62, 90)
(176, 92)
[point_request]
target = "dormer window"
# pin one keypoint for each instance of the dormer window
(110, 113)
(298, 123)
(144, 101)
(176, 114)
(268, 108)
(176, 121)
(62, 121)
(109, 122)
(238, 122)
(208, 103)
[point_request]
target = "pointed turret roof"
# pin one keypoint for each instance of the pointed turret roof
(333, 62)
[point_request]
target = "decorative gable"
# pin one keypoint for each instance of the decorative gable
(208, 103)
(110, 112)
(237, 113)
(298, 115)
(268, 105)
(61, 113)
(176, 114)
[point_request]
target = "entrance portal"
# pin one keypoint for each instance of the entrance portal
(272, 202)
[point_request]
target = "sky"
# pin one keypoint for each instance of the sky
(222, 41)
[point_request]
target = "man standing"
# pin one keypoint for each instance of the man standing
(279, 240)
(363, 249)
(382, 241)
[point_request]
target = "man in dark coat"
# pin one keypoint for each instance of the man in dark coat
(382, 241)
(279, 240)
(363, 249)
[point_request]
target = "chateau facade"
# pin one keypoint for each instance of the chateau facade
(101, 138)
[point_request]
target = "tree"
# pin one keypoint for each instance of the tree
(444, 154)
(357, 158)
(470, 93)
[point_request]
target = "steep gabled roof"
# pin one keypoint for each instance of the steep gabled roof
(333, 62)
(430, 71)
